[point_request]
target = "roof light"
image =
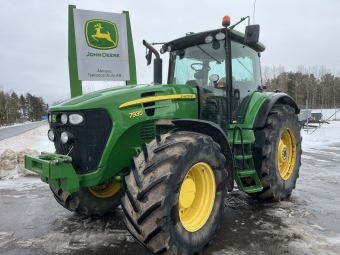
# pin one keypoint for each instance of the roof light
(209, 39)
(226, 21)
(162, 50)
(220, 36)
(169, 48)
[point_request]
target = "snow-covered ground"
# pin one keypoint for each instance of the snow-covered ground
(326, 135)
(308, 223)
(13, 149)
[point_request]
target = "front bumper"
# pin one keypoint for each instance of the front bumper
(54, 169)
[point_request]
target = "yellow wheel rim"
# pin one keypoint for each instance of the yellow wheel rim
(105, 190)
(286, 155)
(196, 197)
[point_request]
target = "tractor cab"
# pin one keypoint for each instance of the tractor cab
(223, 64)
(204, 65)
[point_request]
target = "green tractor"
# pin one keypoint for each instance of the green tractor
(169, 153)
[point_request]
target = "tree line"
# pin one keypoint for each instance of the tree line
(16, 108)
(319, 85)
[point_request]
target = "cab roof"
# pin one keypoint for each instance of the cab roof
(192, 39)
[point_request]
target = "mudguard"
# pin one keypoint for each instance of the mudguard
(276, 98)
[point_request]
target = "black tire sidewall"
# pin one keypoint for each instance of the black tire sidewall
(284, 120)
(85, 203)
(180, 237)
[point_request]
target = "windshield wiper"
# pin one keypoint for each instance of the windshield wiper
(218, 62)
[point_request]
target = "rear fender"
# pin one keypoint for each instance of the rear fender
(260, 120)
(276, 98)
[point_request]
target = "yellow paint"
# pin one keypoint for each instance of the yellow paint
(157, 98)
(101, 35)
(105, 190)
(197, 197)
(136, 114)
(286, 154)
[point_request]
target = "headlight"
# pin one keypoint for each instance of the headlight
(75, 119)
(63, 118)
(66, 137)
(49, 117)
(50, 135)
(209, 39)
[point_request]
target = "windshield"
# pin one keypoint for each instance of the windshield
(246, 78)
(245, 64)
(196, 64)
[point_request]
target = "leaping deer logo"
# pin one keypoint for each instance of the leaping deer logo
(100, 35)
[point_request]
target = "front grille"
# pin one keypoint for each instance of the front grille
(89, 140)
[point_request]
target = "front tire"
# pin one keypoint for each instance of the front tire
(281, 154)
(175, 193)
(95, 200)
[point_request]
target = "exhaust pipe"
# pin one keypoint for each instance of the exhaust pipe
(157, 63)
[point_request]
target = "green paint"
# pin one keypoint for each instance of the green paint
(101, 34)
(135, 124)
(75, 83)
(53, 170)
(128, 133)
(132, 60)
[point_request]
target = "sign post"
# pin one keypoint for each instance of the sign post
(100, 48)
(75, 83)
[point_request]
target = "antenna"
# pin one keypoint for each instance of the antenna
(254, 13)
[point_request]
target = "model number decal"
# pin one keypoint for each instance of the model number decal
(136, 114)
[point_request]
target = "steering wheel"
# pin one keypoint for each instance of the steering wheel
(208, 68)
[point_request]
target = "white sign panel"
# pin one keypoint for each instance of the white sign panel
(102, 47)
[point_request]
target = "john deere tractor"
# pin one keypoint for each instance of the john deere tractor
(169, 153)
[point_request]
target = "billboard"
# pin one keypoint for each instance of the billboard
(101, 46)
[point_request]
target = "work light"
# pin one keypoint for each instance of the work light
(63, 118)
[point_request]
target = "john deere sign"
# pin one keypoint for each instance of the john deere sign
(101, 44)
(101, 34)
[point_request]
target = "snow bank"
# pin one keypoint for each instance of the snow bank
(13, 150)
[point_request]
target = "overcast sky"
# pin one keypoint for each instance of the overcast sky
(33, 35)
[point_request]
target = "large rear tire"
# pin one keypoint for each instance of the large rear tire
(175, 193)
(95, 200)
(281, 156)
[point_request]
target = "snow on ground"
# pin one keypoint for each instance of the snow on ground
(13, 149)
(302, 230)
(326, 135)
(35, 139)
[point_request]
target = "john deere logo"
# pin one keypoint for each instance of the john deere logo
(54, 118)
(101, 34)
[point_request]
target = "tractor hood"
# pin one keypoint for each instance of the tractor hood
(130, 98)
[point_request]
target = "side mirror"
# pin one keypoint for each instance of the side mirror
(252, 34)
(237, 94)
